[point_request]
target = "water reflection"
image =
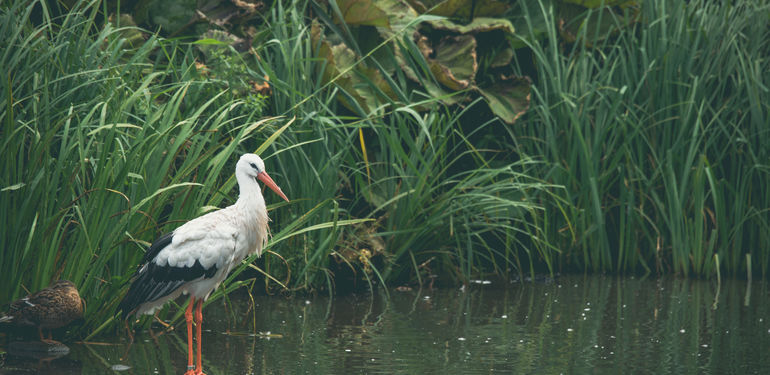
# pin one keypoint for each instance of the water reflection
(574, 325)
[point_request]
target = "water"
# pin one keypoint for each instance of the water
(574, 325)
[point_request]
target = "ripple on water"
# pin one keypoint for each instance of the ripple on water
(574, 325)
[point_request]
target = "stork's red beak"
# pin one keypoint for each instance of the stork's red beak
(264, 177)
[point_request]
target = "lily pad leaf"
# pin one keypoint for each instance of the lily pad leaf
(508, 97)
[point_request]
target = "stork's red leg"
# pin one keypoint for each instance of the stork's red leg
(198, 327)
(188, 316)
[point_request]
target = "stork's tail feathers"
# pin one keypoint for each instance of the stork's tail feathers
(153, 282)
(6, 319)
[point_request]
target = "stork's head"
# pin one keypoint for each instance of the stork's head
(253, 166)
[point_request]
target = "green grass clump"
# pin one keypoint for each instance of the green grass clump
(659, 134)
(444, 206)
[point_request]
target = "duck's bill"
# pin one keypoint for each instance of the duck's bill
(265, 178)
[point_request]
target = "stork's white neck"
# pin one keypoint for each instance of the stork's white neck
(251, 213)
(250, 194)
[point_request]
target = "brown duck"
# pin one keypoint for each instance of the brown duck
(50, 308)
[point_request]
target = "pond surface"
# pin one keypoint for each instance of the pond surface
(573, 325)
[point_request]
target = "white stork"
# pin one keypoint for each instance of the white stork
(196, 257)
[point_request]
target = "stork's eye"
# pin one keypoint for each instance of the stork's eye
(254, 166)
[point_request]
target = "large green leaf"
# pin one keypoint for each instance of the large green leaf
(478, 25)
(402, 20)
(401, 16)
(501, 58)
(461, 8)
(362, 12)
(343, 67)
(596, 22)
(451, 51)
(177, 16)
(452, 60)
(508, 97)
(337, 61)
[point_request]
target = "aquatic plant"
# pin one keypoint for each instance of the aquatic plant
(659, 135)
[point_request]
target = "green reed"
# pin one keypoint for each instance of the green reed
(659, 135)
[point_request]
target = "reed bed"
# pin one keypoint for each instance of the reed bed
(659, 133)
(644, 150)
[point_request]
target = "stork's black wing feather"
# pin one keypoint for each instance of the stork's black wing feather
(157, 246)
(152, 281)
